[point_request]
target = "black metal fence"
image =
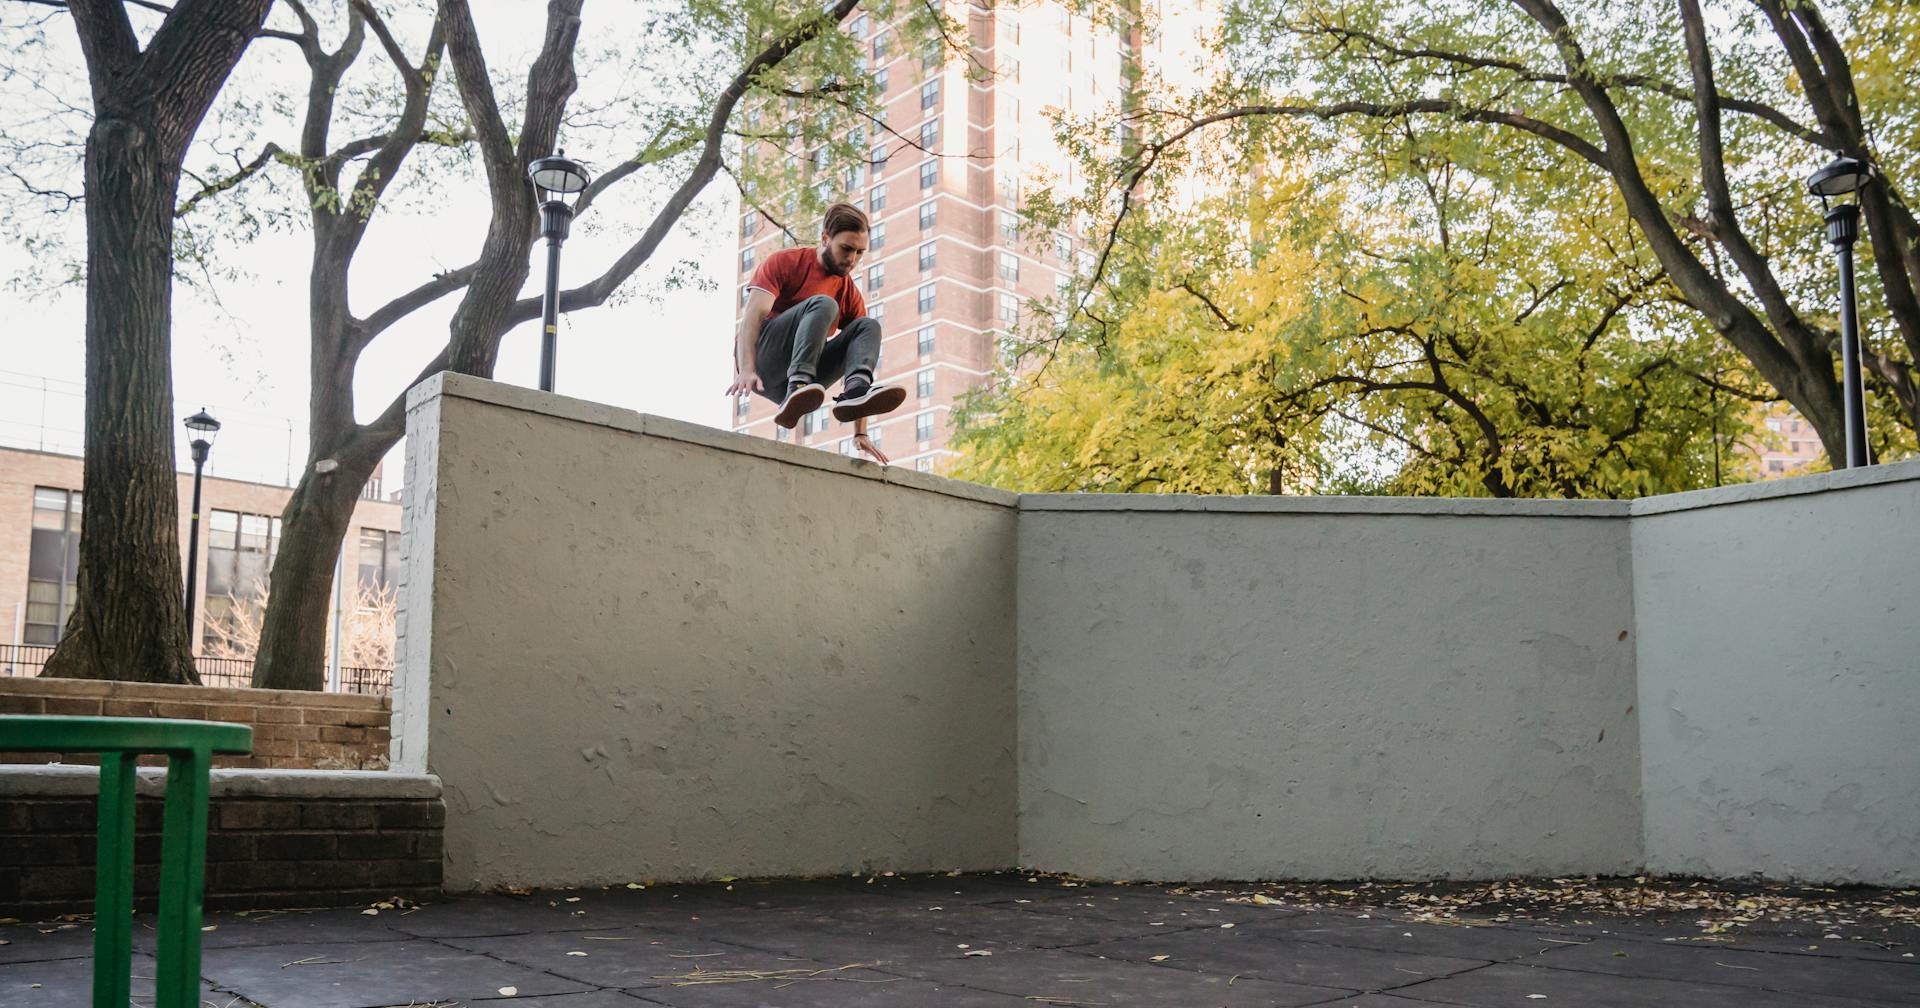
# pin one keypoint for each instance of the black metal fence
(29, 659)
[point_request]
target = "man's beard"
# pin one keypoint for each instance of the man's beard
(833, 266)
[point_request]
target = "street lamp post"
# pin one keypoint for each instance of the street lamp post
(554, 179)
(204, 427)
(1842, 178)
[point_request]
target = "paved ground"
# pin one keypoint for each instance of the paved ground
(1014, 940)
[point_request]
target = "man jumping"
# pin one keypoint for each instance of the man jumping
(786, 348)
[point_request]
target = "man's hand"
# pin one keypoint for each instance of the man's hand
(865, 444)
(744, 382)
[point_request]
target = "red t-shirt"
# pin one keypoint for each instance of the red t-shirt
(794, 275)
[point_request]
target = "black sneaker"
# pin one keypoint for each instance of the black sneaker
(801, 400)
(870, 401)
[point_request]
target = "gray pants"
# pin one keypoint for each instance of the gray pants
(794, 346)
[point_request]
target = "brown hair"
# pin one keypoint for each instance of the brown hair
(843, 217)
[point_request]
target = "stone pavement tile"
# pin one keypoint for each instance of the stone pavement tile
(52, 940)
(853, 989)
(1898, 982)
(1123, 903)
(1808, 942)
(835, 940)
(68, 983)
(370, 974)
(1387, 935)
(1513, 983)
(1045, 976)
(1245, 953)
(586, 999)
(858, 890)
(279, 927)
(1033, 929)
(629, 957)
(584, 910)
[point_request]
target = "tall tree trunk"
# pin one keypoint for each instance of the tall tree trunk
(293, 639)
(129, 619)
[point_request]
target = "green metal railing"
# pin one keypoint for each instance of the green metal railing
(189, 747)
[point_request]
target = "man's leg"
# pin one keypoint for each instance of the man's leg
(854, 355)
(787, 357)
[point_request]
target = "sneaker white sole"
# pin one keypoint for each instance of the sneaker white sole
(877, 400)
(803, 401)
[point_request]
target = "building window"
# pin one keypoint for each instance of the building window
(933, 55)
(750, 223)
(878, 312)
(930, 94)
(926, 298)
(876, 276)
(880, 82)
(846, 446)
(1009, 226)
(741, 404)
(879, 48)
(379, 559)
(1009, 309)
(1062, 247)
(779, 433)
(876, 237)
(923, 384)
(853, 179)
(930, 134)
(926, 340)
(923, 427)
(806, 425)
(877, 199)
(877, 158)
(926, 215)
(745, 292)
(53, 563)
(858, 27)
(1776, 465)
(240, 549)
(926, 255)
(1009, 267)
(746, 260)
(923, 464)
(929, 174)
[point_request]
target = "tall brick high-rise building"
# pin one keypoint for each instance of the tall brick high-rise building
(947, 271)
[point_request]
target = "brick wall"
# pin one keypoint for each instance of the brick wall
(292, 729)
(274, 839)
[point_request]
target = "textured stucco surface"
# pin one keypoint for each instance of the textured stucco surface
(1286, 694)
(648, 658)
(637, 648)
(1780, 681)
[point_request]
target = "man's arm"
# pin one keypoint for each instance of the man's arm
(745, 378)
(865, 443)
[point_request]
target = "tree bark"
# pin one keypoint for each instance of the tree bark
(129, 617)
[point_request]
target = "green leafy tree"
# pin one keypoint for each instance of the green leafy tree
(1415, 331)
(1697, 125)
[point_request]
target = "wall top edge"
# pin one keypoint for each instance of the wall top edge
(61, 780)
(1267, 504)
(514, 397)
(600, 414)
(1790, 486)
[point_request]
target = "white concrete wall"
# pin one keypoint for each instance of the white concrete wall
(1779, 657)
(653, 650)
(1319, 688)
(638, 648)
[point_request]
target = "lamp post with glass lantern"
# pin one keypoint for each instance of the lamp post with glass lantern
(554, 179)
(1842, 178)
(204, 427)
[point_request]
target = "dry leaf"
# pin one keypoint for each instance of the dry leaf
(576, 953)
(977, 952)
(1158, 958)
(509, 991)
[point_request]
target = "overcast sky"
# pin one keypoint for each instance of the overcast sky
(244, 356)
